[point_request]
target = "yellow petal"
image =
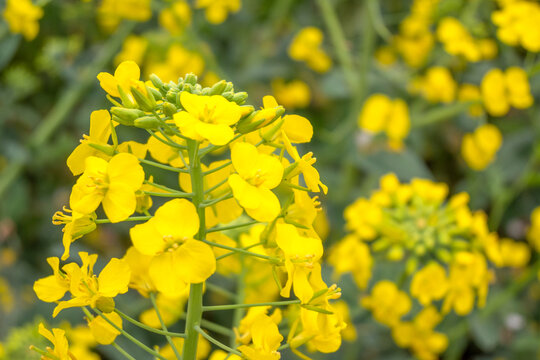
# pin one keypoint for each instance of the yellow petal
(119, 202)
(177, 218)
(100, 126)
(49, 289)
(297, 128)
(246, 194)
(103, 332)
(242, 156)
(194, 261)
(164, 276)
(146, 238)
(216, 134)
(114, 278)
(268, 208)
(124, 168)
(108, 83)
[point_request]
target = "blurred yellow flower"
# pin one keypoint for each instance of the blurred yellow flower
(480, 147)
(306, 46)
(22, 17)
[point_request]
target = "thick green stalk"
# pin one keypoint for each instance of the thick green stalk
(195, 306)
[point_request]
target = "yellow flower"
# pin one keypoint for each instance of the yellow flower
(300, 253)
(113, 184)
(351, 255)
(203, 348)
(84, 286)
(103, 332)
(178, 259)
(61, 347)
(134, 49)
(517, 24)
(500, 90)
(207, 118)
(306, 47)
(52, 287)
(256, 175)
(125, 76)
(100, 131)
(111, 12)
(265, 340)
(430, 283)
(216, 11)
(468, 276)
(304, 165)
(77, 225)
(418, 335)
(380, 113)
(176, 17)
(480, 147)
(387, 303)
(179, 61)
(22, 17)
(438, 85)
(292, 95)
(457, 40)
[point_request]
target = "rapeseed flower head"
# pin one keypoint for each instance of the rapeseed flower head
(176, 17)
(516, 24)
(381, 114)
(480, 147)
(292, 95)
(437, 85)
(216, 11)
(61, 347)
(112, 183)
(22, 17)
(265, 339)
(86, 288)
(178, 259)
(306, 46)
(500, 90)
(207, 118)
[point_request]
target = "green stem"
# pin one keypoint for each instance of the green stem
(378, 22)
(216, 328)
(177, 194)
(244, 306)
(148, 328)
(68, 100)
(162, 187)
(162, 166)
(215, 201)
(339, 41)
(244, 248)
(223, 166)
(230, 227)
(166, 142)
(195, 306)
(440, 114)
(132, 218)
(242, 251)
(163, 326)
(215, 342)
(122, 351)
(130, 337)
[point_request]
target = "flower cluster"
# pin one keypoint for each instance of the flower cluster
(516, 24)
(306, 46)
(22, 17)
(236, 168)
(443, 248)
(381, 114)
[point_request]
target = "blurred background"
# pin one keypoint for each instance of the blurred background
(321, 59)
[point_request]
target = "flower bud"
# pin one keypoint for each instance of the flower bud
(147, 103)
(240, 97)
(190, 79)
(147, 122)
(169, 109)
(158, 83)
(218, 88)
(105, 304)
(171, 95)
(228, 95)
(126, 116)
